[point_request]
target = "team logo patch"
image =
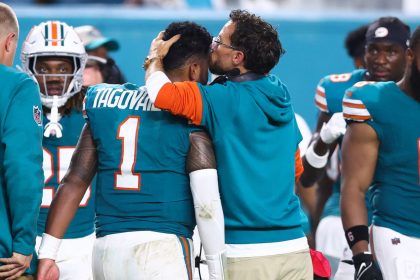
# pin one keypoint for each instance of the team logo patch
(381, 32)
(395, 241)
(37, 115)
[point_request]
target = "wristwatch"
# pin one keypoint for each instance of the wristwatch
(148, 60)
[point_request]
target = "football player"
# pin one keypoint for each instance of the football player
(381, 148)
(144, 210)
(386, 42)
(54, 56)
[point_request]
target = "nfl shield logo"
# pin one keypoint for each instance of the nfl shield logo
(395, 241)
(37, 115)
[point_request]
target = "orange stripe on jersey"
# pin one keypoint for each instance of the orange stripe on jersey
(182, 99)
(356, 117)
(54, 33)
(321, 105)
(298, 165)
(354, 105)
(320, 93)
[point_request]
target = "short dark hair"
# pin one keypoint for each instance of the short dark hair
(355, 41)
(257, 39)
(195, 41)
(415, 39)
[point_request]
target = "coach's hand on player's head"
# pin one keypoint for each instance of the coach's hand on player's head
(366, 267)
(47, 270)
(159, 47)
(14, 266)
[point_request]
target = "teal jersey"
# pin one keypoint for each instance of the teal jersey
(329, 99)
(255, 137)
(57, 156)
(21, 173)
(330, 90)
(142, 183)
(395, 117)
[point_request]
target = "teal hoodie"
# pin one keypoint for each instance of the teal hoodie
(21, 175)
(255, 137)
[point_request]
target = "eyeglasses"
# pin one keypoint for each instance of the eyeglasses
(216, 40)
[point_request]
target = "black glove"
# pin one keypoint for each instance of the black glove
(366, 267)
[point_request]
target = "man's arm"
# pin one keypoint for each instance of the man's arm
(23, 175)
(73, 186)
(324, 141)
(360, 153)
(66, 202)
(201, 165)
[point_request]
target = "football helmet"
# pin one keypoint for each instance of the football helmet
(55, 39)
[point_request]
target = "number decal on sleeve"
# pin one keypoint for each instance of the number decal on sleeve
(340, 78)
(363, 83)
(63, 162)
(125, 178)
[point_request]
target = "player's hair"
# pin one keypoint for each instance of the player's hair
(355, 41)
(74, 103)
(257, 39)
(8, 21)
(195, 41)
(415, 39)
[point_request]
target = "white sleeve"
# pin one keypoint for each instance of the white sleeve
(210, 220)
(154, 83)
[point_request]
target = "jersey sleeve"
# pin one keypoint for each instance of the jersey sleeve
(183, 99)
(22, 139)
(360, 104)
(198, 103)
(331, 89)
(320, 98)
(354, 108)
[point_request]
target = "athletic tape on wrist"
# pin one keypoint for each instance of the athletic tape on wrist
(49, 247)
(315, 160)
(356, 234)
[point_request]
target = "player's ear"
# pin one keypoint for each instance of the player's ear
(194, 71)
(409, 55)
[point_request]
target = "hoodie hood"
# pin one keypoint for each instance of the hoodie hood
(273, 98)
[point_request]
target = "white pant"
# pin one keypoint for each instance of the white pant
(331, 241)
(74, 257)
(142, 255)
(398, 255)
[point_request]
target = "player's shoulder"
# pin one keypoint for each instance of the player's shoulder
(331, 88)
(363, 100)
(14, 77)
(343, 80)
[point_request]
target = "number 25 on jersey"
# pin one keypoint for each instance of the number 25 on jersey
(63, 162)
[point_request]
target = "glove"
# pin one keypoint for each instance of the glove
(215, 265)
(333, 129)
(366, 268)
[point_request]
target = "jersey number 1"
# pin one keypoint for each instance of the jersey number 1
(125, 178)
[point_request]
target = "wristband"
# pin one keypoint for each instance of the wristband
(49, 247)
(315, 160)
(356, 234)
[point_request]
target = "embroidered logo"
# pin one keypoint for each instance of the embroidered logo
(381, 32)
(37, 115)
(395, 241)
